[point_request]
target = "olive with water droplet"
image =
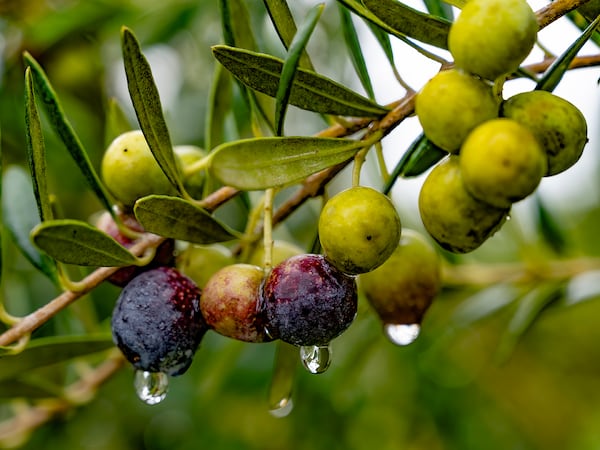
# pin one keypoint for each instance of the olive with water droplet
(157, 323)
(402, 289)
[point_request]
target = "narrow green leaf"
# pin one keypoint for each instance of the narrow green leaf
(528, 310)
(117, 122)
(76, 242)
(146, 102)
(261, 163)
(484, 303)
(282, 381)
(65, 131)
(411, 22)
(549, 228)
(353, 44)
(288, 71)
(560, 66)
(18, 388)
(52, 350)
(282, 19)
(419, 157)
(177, 218)
(310, 90)
(20, 215)
(237, 32)
(439, 8)
(36, 151)
(219, 106)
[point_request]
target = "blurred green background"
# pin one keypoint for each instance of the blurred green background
(476, 378)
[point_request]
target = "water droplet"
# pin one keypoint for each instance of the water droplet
(283, 408)
(402, 334)
(151, 387)
(316, 358)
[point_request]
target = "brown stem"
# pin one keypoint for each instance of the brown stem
(556, 10)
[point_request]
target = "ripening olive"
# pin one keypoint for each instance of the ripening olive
(402, 288)
(188, 155)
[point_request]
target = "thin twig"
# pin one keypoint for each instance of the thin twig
(555, 10)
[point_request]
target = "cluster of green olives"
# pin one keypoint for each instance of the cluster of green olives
(500, 149)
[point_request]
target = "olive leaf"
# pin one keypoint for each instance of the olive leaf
(20, 215)
(51, 350)
(177, 218)
(146, 102)
(76, 242)
(261, 163)
(353, 44)
(289, 69)
(237, 32)
(282, 379)
(410, 22)
(548, 228)
(310, 90)
(117, 122)
(529, 307)
(65, 131)
(560, 66)
(419, 157)
(219, 106)
(439, 8)
(282, 19)
(36, 151)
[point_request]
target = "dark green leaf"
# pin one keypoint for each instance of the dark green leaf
(76, 242)
(65, 131)
(549, 228)
(146, 102)
(262, 163)
(353, 44)
(117, 122)
(237, 32)
(559, 67)
(282, 380)
(36, 151)
(20, 216)
(177, 218)
(45, 351)
(288, 71)
(528, 310)
(285, 26)
(439, 8)
(310, 91)
(410, 22)
(17, 388)
(219, 106)
(419, 157)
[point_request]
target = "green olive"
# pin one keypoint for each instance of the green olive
(359, 229)
(130, 171)
(491, 38)
(456, 220)
(402, 288)
(558, 125)
(451, 104)
(501, 162)
(188, 155)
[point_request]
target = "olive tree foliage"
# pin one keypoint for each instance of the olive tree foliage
(57, 353)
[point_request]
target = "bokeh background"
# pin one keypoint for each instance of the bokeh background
(472, 380)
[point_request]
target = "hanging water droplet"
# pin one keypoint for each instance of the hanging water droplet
(282, 408)
(316, 358)
(402, 334)
(151, 387)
